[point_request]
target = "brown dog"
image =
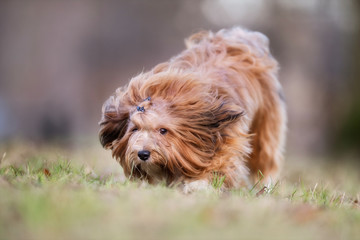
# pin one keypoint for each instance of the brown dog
(214, 110)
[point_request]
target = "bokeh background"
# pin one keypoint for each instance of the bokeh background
(60, 60)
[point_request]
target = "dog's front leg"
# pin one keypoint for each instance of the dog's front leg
(190, 186)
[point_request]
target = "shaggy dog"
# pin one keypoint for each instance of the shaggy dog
(215, 110)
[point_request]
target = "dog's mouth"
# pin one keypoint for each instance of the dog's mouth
(153, 169)
(136, 171)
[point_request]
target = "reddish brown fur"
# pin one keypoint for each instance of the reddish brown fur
(219, 100)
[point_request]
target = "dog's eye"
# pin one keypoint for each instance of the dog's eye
(134, 129)
(163, 131)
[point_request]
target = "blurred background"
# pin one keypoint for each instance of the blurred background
(60, 60)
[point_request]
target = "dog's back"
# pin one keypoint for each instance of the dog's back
(251, 79)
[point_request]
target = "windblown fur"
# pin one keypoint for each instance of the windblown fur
(216, 109)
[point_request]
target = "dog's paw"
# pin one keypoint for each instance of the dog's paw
(194, 186)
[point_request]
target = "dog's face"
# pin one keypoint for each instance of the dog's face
(148, 142)
(165, 127)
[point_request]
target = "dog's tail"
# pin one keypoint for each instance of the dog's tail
(234, 38)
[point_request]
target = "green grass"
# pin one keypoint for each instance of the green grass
(48, 196)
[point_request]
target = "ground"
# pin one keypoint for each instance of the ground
(51, 193)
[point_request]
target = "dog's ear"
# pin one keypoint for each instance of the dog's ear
(113, 122)
(225, 114)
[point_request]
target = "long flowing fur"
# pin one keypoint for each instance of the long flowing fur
(220, 102)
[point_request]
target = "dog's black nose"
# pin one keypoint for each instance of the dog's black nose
(144, 155)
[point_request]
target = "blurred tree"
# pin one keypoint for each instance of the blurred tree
(347, 137)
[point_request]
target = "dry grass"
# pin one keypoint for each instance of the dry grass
(49, 193)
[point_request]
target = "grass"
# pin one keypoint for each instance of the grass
(44, 195)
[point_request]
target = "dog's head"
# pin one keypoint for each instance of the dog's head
(166, 125)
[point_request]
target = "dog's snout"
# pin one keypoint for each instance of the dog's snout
(144, 155)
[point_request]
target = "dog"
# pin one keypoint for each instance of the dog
(216, 110)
